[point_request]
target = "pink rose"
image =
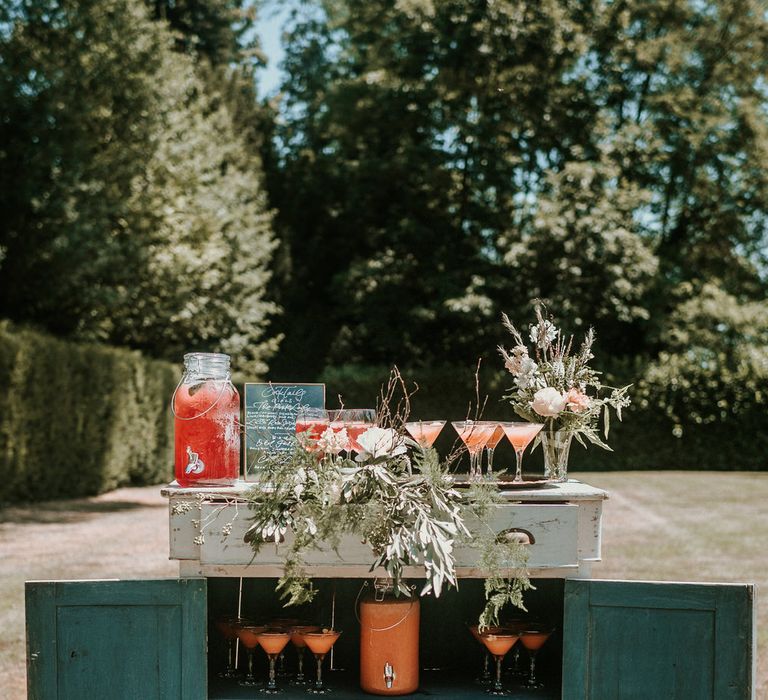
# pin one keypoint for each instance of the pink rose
(576, 400)
(548, 402)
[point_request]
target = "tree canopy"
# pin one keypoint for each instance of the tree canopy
(135, 212)
(437, 162)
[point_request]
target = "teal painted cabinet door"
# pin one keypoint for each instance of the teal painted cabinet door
(116, 639)
(626, 640)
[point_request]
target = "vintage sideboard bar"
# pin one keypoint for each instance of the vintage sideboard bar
(614, 639)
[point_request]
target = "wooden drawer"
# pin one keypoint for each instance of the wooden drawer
(212, 533)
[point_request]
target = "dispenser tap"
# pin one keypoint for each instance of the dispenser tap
(389, 674)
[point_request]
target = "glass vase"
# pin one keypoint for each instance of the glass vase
(556, 445)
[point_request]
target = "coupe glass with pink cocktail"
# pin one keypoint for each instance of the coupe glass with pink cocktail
(498, 644)
(474, 434)
(425, 432)
(320, 643)
(520, 435)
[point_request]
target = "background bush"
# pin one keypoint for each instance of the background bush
(77, 420)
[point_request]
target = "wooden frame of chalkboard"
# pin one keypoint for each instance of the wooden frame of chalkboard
(269, 416)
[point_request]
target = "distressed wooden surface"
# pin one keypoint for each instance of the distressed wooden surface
(553, 527)
(565, 527)
(643, 640)
(126, 639)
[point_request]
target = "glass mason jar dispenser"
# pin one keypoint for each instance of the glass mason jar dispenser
(206, 409)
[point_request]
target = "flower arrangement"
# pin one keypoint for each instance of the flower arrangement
(555, 385)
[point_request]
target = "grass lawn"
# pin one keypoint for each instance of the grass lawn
(683, 526)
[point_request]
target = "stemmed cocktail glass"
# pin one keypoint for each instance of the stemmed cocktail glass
(277, 624)
(311, 423)
(474, 434)
(320, 643)
(516, 626)
(492, 442)
(533, 640)
(520, 435)
(355, 420)
(249, 636)
(297, 637)
(272, 642)
(227, 627)
(485, 677)
(498, 644)
(425, 432)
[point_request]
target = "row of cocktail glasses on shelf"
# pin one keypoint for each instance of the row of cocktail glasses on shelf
(273, 637)
(498, 641)
(312, 424)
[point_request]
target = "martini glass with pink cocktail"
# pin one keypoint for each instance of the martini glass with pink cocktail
(273, 641)
(492, 442)
(228, 627)
(533, 639)
(249, 636)
(498, 644)
(474, 434)
(297, 637)
(320, 643)
(520, 435)
(485, 677)
(425, 432)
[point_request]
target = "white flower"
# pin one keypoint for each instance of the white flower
(514, 362)
(545, 335)
(333, 441)
(548, 402)
(558, 368)
(528, 375)
(380, 442)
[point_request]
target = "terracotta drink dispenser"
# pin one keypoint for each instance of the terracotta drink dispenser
(389, 642)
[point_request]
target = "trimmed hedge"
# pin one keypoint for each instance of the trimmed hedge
(647, 438)
(77, 420)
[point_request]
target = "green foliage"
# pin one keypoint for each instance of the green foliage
(77, 420)
(504, 561)
(408, 519)
(222, 31)
(437, 163)
(128, 189)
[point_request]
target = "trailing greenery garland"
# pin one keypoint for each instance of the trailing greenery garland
(409, 513)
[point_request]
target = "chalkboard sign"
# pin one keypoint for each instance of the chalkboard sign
(270, 418)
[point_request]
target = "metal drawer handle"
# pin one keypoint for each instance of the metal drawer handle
(516, 534)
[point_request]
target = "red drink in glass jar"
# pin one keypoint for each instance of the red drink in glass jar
(206, 407)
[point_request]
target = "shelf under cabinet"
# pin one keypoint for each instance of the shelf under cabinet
(434, 684)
